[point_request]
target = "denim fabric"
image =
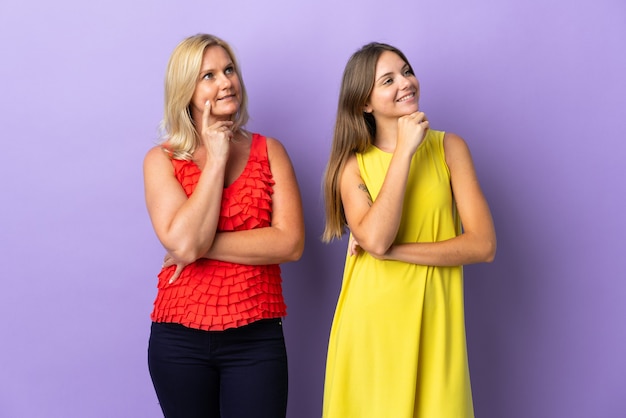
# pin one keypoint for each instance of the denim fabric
(236, 373)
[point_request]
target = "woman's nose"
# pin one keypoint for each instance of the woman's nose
(224, 81)
(404, 82)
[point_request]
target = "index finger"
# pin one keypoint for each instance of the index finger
(179, 269)
(206, 114)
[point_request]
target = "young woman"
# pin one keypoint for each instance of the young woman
(412, 202)
(225, 204)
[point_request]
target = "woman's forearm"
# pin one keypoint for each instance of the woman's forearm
(465, 249)
(259, 246)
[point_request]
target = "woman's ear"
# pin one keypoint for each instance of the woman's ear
(367, 108)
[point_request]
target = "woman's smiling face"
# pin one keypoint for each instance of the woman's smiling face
(396, 89)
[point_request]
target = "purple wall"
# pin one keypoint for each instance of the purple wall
(535, 87)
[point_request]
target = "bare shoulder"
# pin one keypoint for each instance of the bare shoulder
(277, 153)
(350, 172)
(157, 161)
(453, 141)
(278, 157)
(455, 148)
(274, 146)
(352, 165)
(157, 154)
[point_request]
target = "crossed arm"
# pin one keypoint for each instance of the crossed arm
(374, 225)
(281, 242)
(187, 227)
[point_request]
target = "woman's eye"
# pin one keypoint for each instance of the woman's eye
(207, 76)
(229, 70)
(388, 81)
(408, 72)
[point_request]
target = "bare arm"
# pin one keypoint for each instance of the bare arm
(186, 226)
(477, 243)
(283, 241)
(375, 224)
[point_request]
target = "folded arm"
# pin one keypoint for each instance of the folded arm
(185, 226)
(374, 224)
(477, 243)
(283, 240)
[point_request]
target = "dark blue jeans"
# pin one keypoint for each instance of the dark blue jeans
(236, 373)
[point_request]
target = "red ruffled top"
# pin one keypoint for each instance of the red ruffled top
(216, 295)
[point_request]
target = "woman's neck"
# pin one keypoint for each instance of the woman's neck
(386, 136)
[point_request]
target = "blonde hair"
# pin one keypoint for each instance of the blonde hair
(354, 129)
(183, 69)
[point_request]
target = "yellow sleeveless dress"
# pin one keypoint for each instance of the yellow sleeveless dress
(397, 343)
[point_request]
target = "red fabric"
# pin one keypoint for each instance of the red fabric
(216, 295)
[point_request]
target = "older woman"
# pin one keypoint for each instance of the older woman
(225, 204)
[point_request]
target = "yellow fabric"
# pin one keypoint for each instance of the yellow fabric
(397, 344)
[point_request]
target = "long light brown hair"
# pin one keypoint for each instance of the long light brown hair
(181, 77)
(355, 129)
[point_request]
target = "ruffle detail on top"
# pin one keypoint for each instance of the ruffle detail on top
(216, 295)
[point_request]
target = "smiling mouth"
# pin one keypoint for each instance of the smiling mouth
(407, 97)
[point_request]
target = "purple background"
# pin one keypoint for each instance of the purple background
(535, 87)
